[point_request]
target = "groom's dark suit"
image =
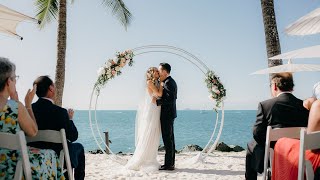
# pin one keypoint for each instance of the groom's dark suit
(283, 111)
(168, 114)
(53, 117)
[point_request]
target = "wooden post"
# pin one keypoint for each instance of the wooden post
(106, 134)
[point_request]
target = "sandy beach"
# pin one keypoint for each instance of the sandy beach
(218, 165)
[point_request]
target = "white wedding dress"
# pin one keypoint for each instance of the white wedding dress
(147, 137)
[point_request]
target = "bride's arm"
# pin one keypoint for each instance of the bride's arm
(155, 90)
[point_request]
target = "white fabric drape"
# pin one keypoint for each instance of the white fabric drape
(306, 25)
(303, 53)
(9, 20)
(289, 68)
(308, 52)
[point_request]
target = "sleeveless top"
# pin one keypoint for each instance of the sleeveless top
(44, 162)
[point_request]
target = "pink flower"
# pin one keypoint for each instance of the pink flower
(112, 62)
(123, 62)
(215, 89)
(113, 72)
(128, 51)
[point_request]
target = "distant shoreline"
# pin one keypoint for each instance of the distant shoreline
(191, 127)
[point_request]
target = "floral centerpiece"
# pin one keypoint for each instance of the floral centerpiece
(112, 68)
(215, 87)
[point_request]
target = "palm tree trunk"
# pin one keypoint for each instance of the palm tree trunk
(62, 46)
(271, 32)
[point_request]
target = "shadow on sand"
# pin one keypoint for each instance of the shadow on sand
(211, 171)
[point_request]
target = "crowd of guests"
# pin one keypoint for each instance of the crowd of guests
(283, 110)
(41, 115)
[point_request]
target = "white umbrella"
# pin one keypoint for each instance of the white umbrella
(289, 68)
(306, 25)
(308, 52)
(9, 19)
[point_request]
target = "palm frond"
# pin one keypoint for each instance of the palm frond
(46, 10)
(120, 10)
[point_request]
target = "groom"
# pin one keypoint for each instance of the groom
(168, 114)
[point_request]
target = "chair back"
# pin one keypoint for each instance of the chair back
(55, 137)
(274, 135)
(307, 142)
(18, 142)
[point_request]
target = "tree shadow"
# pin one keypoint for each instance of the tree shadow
(238, 157)
(212, 163)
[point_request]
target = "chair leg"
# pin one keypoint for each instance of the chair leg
(19, 171)
(268, 174)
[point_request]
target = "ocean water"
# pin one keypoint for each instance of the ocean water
(190, 127)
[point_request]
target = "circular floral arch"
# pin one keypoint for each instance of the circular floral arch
(113, 67)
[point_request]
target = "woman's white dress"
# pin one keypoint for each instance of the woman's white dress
(147, 137)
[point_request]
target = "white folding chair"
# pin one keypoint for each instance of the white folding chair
(18, 142)
(307, 141)
(55, 137)
(274, 135)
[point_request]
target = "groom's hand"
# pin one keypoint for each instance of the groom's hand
(70, 113)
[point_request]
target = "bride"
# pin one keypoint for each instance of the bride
(148, 129)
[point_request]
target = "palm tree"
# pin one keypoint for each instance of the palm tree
(50, 9)
(271, 32)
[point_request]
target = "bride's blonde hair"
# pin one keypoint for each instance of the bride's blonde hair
(150, 74)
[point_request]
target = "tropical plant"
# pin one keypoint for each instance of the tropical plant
(51, 9)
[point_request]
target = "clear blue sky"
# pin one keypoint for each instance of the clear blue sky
(227, 35)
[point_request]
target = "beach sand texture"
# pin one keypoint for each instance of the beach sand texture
(218, 165)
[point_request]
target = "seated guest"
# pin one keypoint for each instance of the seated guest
(16, 117)
(286, 151)
(283, 110)
(51, 116)
(315, 95)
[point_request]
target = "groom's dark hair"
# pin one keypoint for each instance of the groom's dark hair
(43, 83)
(166, 67)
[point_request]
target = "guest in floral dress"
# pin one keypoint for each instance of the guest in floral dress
(14, 117)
